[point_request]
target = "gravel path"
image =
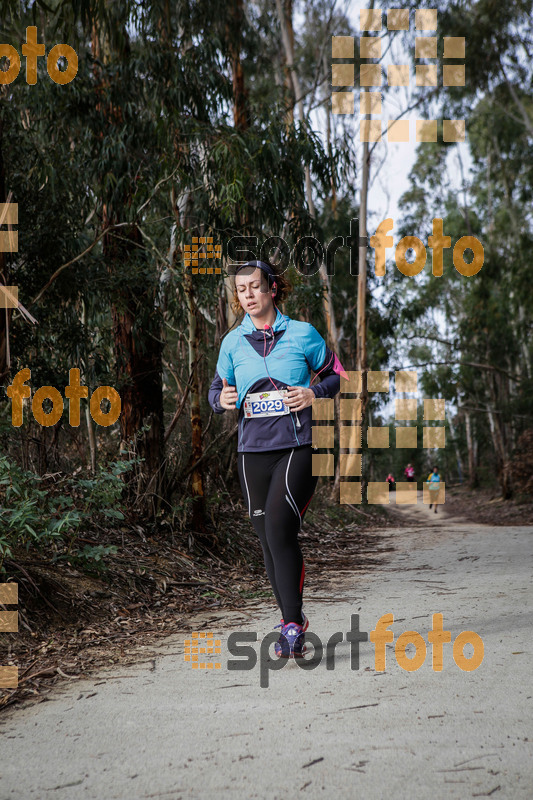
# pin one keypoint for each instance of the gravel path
(159, 729)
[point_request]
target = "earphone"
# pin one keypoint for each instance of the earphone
(274, 287)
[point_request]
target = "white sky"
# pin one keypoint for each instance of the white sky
(397, 160)
(393, 179)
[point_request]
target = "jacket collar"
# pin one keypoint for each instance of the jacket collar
(248, 326)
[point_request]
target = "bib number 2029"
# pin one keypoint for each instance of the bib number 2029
(259, 406)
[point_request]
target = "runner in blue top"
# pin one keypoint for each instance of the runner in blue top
(264, 370)
(433, 482)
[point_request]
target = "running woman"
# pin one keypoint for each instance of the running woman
(264, 369)
(409, 472)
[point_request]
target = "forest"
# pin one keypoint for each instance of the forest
(192, 124)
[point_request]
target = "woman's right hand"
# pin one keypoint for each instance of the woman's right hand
(228, 396)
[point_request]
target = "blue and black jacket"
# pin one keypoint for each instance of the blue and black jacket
(253, 360)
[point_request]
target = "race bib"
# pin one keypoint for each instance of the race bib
(265, 404)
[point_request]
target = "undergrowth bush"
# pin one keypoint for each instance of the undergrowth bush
(40, 511)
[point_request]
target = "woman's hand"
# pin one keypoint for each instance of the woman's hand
(228, 396)
(299, 397)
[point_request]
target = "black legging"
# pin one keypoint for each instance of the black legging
(277, 486)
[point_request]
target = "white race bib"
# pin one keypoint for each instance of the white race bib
(265, 404)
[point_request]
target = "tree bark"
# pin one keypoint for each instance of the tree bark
(453, 431)
(362, 362)
(473, 481)
(88, 419)
(136, 338)
(197, 481)
(287, 35)
(193, 345)
(5, 313)
(326, 65)
(503, 461)
(234, 35)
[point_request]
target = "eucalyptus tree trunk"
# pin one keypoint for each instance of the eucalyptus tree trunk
(361, 349)
(473, 481)
(197, 480)
(183, 222)
(288, 44)
(326, 68)
(285, 17)
(361, 332)
(234, 25)
(504, 473)
(285, 20)
(91, 432)
(241, 121)
(453, 431)
(136, 332)
(5, 313)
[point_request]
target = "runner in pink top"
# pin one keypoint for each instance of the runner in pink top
(409, 472)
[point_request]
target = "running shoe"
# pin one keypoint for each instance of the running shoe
(305, 623)
(291, 642)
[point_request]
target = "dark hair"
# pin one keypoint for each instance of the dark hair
(435, 467)
(283, 286)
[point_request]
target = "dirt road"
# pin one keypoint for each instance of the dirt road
(160, 729)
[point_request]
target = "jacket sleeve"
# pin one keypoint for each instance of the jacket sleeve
(214, 394)
(324, 363)
(225, 362)
(224, 369)
(330, 382)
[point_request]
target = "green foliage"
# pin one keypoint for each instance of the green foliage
(151, 111)
(92, 557)
(35, 513)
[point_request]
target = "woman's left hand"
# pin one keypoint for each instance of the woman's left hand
(299, 397)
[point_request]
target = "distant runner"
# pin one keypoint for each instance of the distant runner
(434, 486)
(409, 472)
